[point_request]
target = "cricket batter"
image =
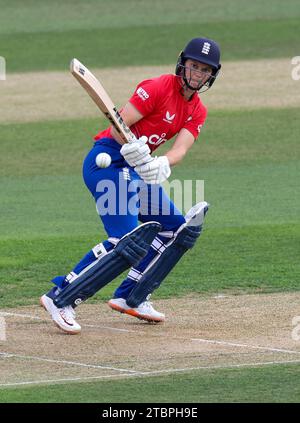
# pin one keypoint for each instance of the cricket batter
(159, 109)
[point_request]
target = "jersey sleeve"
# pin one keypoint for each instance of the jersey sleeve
(195, 123)
(145, 96)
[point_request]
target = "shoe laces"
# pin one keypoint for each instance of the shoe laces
(147, 304)
(148, 308)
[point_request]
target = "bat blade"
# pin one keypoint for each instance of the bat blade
(97, 92)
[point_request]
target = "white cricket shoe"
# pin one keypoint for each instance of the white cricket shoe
(64, 317)
(144, 311)
(118, 304)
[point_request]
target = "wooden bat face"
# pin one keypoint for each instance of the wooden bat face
(97, 92)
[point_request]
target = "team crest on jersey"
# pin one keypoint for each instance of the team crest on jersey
(168, 118)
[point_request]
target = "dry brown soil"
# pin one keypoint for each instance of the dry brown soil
(199, 332)
(57, 95)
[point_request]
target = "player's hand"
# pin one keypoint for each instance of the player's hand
(136, 153)
(156, 171)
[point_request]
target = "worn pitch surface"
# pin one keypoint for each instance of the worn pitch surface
(200, 332)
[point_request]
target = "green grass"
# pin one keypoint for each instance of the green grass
(277, 383)
(147, 45)
(40, 16)
(249, 164)
(229, 138)
(253, 259)
(40, 148)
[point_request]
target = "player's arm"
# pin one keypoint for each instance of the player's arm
(130, 116)
(183, 142)
(134, 153)
(159, 169)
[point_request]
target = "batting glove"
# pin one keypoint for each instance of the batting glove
(156, 171)
(137, 152)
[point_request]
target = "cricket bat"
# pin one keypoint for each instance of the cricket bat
(97, 92)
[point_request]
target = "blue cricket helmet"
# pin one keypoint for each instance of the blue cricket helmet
(203, 50)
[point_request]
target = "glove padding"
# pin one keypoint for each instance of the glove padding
(156, 171)
(137, 152)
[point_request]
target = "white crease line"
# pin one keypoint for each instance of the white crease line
(230, 366)
(233, 344)
(73, 363)
(156, 372)
(110, 328)
(4, 313)
(216, 367)
(50, 320)
(31, 382)
(164, 335)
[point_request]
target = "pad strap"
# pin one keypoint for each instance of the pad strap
(128, 252)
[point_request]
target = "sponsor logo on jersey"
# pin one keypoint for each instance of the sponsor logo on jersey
(206, 48)
(189, 119)
(155, 139)
(142, 93)
(168, 117)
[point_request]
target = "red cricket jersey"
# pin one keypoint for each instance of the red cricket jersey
(165, 111)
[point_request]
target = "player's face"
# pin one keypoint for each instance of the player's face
(196, 72)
